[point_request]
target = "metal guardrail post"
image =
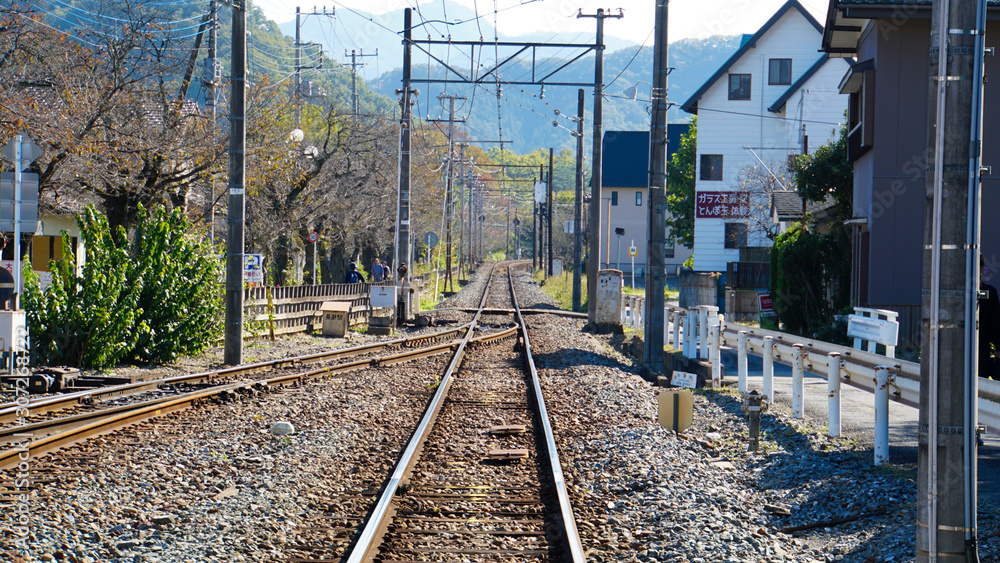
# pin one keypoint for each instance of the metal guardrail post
(768, 371)
(703, 332)
(668, 317)
(797, 384)
(714, 356)
(741, 369)
(833, 386)
(881, 415)
(677, 329)
(689, 320)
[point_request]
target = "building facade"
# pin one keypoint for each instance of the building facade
(775, 98)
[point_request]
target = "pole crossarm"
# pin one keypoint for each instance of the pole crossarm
(491, 75)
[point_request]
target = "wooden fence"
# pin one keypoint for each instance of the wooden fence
(296, 307)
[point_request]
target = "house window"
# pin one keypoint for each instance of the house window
(779, 71)
(861, 113)
(638, 199)
(614, 198)
(711, 167)
(739, 86)
(736, 235)
(668, 251)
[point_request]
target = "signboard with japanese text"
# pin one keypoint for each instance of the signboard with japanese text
(766, 304)
(721, 205)
(253, 268)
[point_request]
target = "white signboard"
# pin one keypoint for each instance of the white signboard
(253, 268)
(382, 296)
(540, 192)
(684, 379)
(881, 331)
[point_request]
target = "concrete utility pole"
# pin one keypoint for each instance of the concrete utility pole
(548, 199)
(298, 58)
(461, 205)
(403, 210)
(578, 206)
(237, 177)
(210, 79)
(946, 471)
(595, 176)
(656, 268)
(449, 188)
(355, 107)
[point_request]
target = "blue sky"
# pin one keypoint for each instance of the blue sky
(688, 18)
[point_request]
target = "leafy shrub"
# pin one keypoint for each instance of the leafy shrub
(810, 277)
(150, 299)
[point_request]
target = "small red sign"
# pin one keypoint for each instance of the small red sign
(721, 205)
(766, 304)
(313, 236)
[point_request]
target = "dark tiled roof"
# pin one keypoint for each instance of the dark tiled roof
(787, 206)
(625, 162)
(691, 105)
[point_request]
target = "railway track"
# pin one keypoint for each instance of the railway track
(479, 479)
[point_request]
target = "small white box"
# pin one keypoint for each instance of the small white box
(13, 325)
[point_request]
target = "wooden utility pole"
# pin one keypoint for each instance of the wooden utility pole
(656, 268)
(946, 469)
(236, 214)
(596, 175)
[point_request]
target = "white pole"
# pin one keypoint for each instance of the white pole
(633, 263)
(703, 332)
(769, 368)
(833, 386)
(741, 369)
(689, 318)
(677, 329)
(668, 317)
(715, 356)
(18, 178)
(797, 399)
(881, 415)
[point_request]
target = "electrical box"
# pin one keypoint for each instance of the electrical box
(12, 324)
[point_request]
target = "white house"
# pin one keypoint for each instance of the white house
(776, 97)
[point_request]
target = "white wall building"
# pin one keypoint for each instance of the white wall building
(777, 96)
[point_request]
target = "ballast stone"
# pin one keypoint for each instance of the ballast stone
(282, 428)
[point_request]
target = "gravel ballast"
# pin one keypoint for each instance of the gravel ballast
(215, 484)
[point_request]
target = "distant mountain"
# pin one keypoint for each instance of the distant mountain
(525, 113)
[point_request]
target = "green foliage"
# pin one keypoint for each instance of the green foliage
(810, 277)
(680, 188)
(827, 173)
(150, 299)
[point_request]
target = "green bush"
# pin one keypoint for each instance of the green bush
(810, 277)
(148, 299)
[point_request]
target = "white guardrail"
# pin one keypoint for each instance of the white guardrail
(858, 368)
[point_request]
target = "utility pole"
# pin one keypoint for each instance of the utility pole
(298, 58)
(578, 206)
(548, 197)
(595, 176)
(210, 79)
(656, 267)
(471, 198)
(461, 205)
(237, 177)
(946, 468)
(403, 209)
(449, 187)
(354, 77)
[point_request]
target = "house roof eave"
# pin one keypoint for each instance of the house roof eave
(691, 104)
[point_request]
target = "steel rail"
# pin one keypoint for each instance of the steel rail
(9, 412)
(565, 507)
(367, 545)
(77, 428)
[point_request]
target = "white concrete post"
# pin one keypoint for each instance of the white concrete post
(797, 384)
(715, 356)
(677, 329)
(703, 332)
(768, 371)
(881, 415)
(741, 349)
(689, 334)
(833, 386)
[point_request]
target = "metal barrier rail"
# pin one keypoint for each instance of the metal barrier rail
(858, 368)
